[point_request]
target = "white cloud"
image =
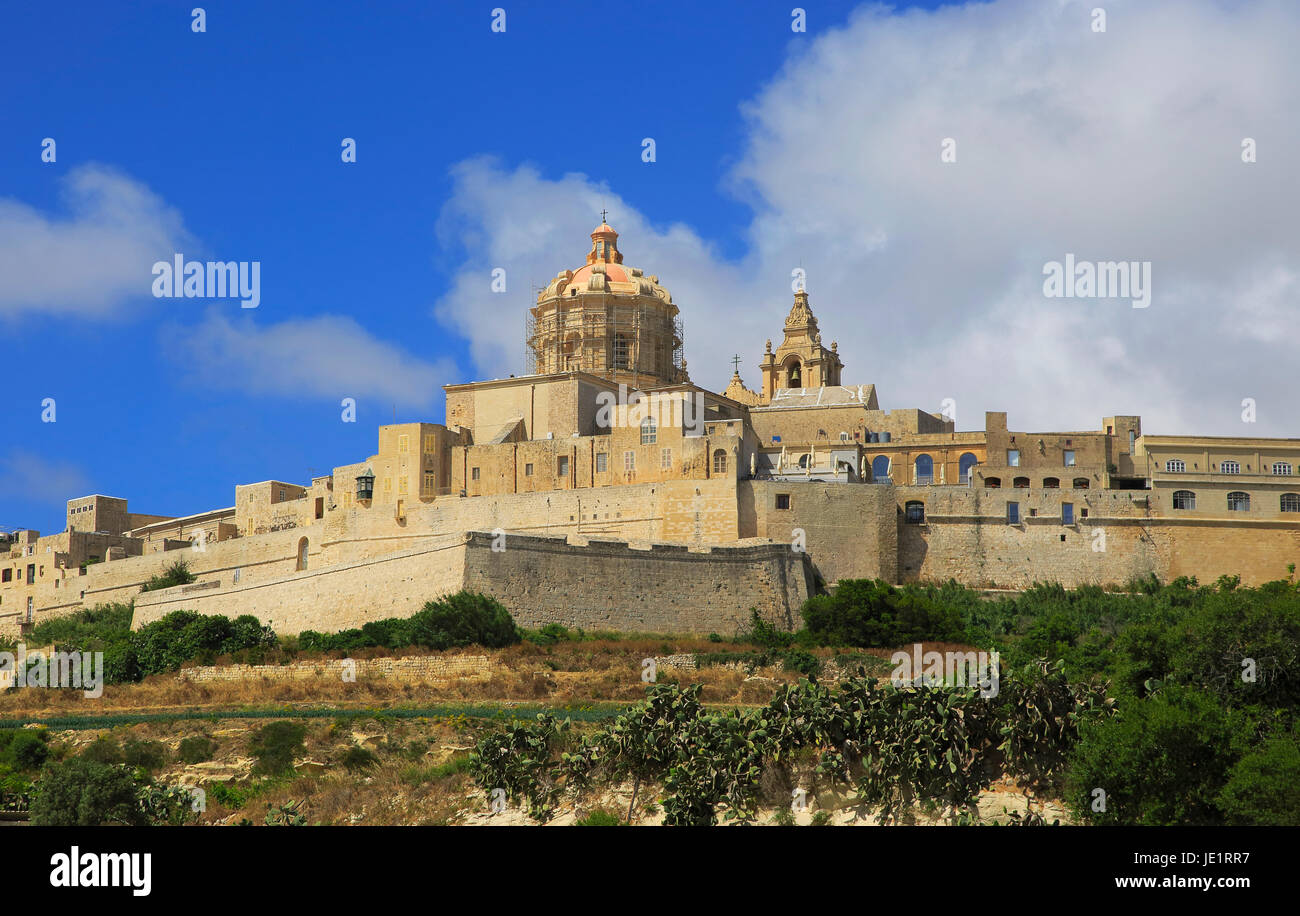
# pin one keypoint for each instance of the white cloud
(39, 480)
(1119, 145)
(328, 356)
(95, 259)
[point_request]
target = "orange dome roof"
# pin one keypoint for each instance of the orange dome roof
(615, 272)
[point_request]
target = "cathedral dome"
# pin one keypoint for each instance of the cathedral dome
(605, 272)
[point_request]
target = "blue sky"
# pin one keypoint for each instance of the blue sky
(226, 145)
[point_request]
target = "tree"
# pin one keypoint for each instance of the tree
(86, 793)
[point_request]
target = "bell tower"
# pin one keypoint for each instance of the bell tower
(800, 361)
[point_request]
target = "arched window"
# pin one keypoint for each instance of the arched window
(1282, 468)
(914, 512)
(1291, 502)
(1080, 483)
(803, 461)
(880, 467)
(1184, 499)
(1021, 483)
(649, 431)
(1238, 501)
(964, 464)
(924, 469)
(719, 462)
(622, 351)
(993, 483)
(302, 553)
(1051, 483)
(1176, 465)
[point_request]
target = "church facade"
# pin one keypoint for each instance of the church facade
(605, 489)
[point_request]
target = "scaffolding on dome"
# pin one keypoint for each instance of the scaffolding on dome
(587, 340)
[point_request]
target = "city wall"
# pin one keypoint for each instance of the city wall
(598, 585)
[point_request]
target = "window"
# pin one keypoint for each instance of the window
(964, 464)
(1176, 466)
(1051, 483)
(1013, 513)
(1238, 501)
(914, 512)
(602, 462)
(621, 351)
(1013, 458)
(719, 462)
(1291, 502)
(1184, 499)
(1067, 513)
(629, 461)
(401, 484)
(562, 466)
(1080, 483)
(1021, 483)
(924, 469)
(430, 443)
(880, 468)
(666, 459)
(431, 482)
(1230, 467)
(302, 553)
(1281, 469)
(1132, 440)
(783, 500)
(473, 473)
(1069, 457)
(403, 443)
(993, 483)
(649, 431)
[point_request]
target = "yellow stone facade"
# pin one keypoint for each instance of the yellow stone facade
(605, 489)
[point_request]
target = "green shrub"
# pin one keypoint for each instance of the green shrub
(802, 661)
(359, 758)
(598, 818)
(24, 749)
(146, 755)
(176, 574)
(462, 619)
(276, 745)
(1261, 787)
(86, 793)
(870, 613)
(1162, 761)
(548, 635)
(103, 749)
(197, 749)
(765, 635)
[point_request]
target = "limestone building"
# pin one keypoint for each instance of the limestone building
(604, 489)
